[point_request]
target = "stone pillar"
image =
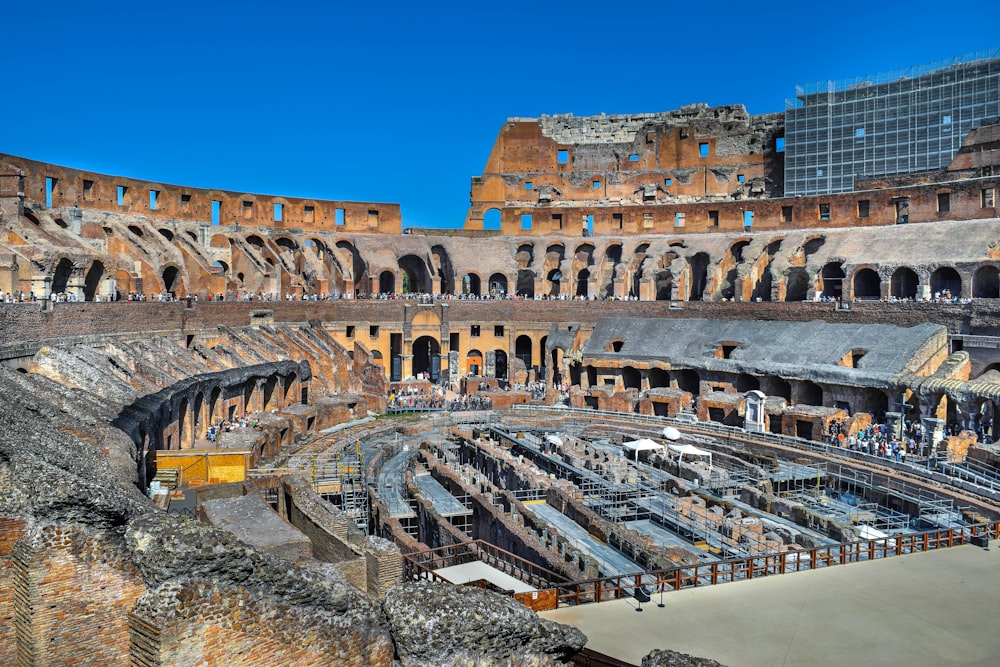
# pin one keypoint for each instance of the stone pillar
(894, 423)
(407, 366)
(933, 433)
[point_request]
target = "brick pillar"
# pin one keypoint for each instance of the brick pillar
(73, 589)
(385, 566)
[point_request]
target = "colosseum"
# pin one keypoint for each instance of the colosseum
(665, 350)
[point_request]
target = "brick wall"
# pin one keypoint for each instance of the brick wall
(196, 623)
(11, 531)
(73, 590)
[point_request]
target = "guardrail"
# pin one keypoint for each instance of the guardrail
(986, 489)
(421, 564)
(741, 569)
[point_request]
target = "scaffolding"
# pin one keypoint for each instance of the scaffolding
(899, 122)
(340, 479)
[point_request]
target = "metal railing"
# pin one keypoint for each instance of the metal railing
(421, 564)
(755, 567)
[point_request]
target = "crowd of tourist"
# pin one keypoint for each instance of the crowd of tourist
(248, 420)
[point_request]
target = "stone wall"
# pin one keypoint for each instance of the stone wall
(90, 190)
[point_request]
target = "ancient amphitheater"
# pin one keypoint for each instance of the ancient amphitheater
(248, 429)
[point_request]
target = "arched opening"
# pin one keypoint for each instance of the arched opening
(542, 356)
(491, 219)
(796, 284)
(982, 420)
(728, 290)
(526, 283)
(688, 380)
(250, 395)
(867, 284)
(903, 284)
(699, 276)
(582, 279)
(200, 427)
(471, 285)
(427, 357)
(93, 280)
(986, 283)
(664, 286)
(500, 364)
(60, 279)
(554, 279)
(167, 234)
(474, 362)
(810, 393)
(746, 382)
(415, 276)
(498, 285)
(833, 280)
(170, 279)
(631, 378)
(658, 378)
(779, 387)
(215, 405)
(946, 282)
(445, 272)
(522, 350)
(387, 282)
(182, 417)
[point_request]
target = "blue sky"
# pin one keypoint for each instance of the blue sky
(401, 102)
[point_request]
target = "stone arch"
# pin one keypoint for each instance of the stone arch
(583, 282)
(426, 350)
(474, 362)
(946, 279)
(735, 258)
(525, 256)
(415, 274)
(833, 279)
(93, 280)
(903, 284)
(698, 263)
(796, 284)
(498, 284)
(867, 284)
(166, 233)
(986, 282)
(387, 282)
(61, 275)
(471, 284)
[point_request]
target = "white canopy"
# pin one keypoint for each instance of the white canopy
(641, 445)
(554, 440)
(691, 450)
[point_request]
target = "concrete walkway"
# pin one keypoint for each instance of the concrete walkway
(930, 609)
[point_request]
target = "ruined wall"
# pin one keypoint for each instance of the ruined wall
(68, 572)
(63, 186)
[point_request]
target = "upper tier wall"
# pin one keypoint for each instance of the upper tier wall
(85, 189)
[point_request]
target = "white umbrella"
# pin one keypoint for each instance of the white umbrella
(670, 433)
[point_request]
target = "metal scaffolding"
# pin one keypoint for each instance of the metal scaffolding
(897, 122)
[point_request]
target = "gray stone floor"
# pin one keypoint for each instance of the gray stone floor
(931, 609)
